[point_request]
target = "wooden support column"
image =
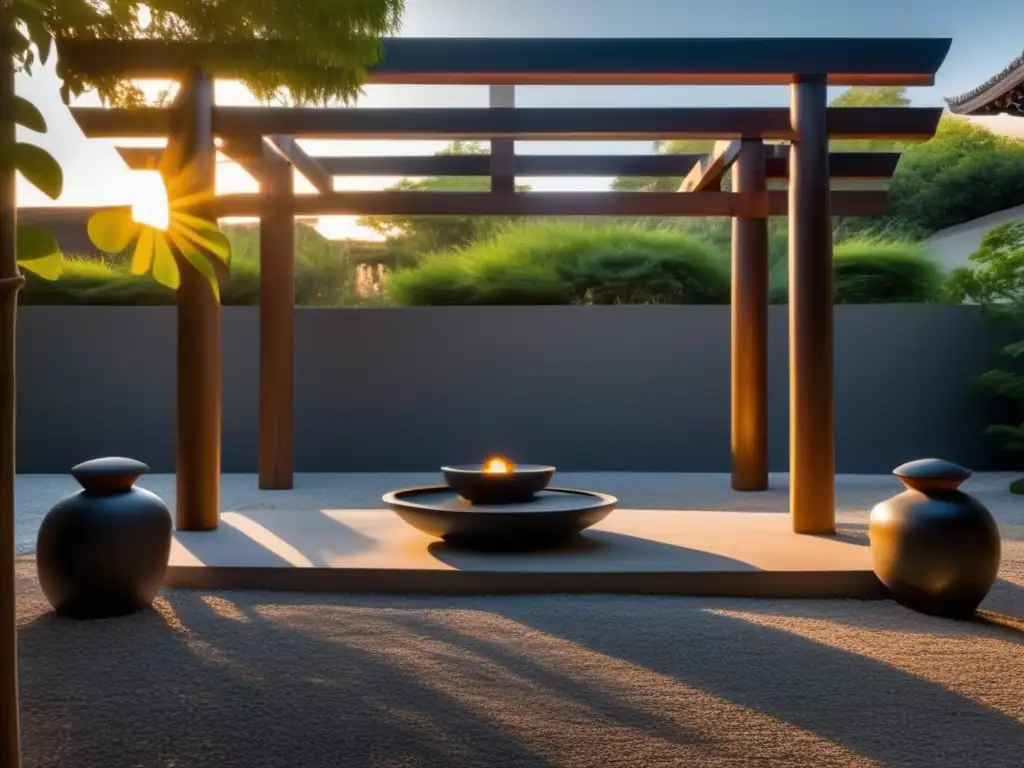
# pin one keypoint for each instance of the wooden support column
(811, 419)
(277, 322)
(503, 151)
(199, 332)
(749, 328)
(10, 282)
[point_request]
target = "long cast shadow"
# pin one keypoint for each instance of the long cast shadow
(207, 690)
(863, 704)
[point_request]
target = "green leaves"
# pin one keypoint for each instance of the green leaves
(39, 168)
(36, 5)
(38, 252)
(26, 114)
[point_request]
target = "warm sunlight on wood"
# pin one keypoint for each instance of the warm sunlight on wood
(150, 205)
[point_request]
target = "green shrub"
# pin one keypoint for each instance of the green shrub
(877, 272)
(566, 263)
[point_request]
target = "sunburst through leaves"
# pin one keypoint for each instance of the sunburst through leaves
(164, 227)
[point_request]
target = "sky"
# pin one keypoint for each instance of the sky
(986, 34)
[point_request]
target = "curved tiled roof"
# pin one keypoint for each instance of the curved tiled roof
(1001, 93)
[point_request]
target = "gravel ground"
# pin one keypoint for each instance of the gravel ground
(255, 679)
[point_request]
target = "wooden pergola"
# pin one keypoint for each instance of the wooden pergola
(263, 141)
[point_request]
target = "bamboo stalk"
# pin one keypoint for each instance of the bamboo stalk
(10, 281)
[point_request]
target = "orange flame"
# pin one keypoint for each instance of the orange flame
(498, 466)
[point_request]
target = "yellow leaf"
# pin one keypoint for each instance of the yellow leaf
(210, 239)
(165, 269)
(142, 259)
(112, 231)
(162, 250)
(203, 266)
(48, 267)
(195, 223)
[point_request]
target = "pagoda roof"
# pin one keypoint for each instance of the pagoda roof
(1001, 94)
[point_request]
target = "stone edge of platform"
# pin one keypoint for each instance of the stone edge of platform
(813, 584)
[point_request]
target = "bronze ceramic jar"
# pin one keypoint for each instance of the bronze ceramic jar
(935, 547)
(103, 551)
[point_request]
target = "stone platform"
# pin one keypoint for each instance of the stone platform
(634, 551)
(674, 533)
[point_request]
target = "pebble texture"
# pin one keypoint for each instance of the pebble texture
(255, 679)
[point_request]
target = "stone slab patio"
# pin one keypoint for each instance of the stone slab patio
(680, 534)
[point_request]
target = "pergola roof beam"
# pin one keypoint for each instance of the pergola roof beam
(522, 124)
(553, 61)
(658, 204)
(866, 166)
(708, 171)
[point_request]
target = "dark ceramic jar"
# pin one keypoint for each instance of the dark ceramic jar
(935, 547)
(103, 551)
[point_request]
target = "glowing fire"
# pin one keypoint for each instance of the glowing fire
(498, 466)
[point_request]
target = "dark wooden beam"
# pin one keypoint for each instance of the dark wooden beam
(525, 165)
(749, 350)
(708, 173)
(867, 166)
(503, 151)
(197, 469)
(811, 417)
(308, 166)
(250, 154)
(11, 282)
(277, 323)
(628, 204)
(526, 124)
(553, 61)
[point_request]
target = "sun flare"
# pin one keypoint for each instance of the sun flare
(151, 206)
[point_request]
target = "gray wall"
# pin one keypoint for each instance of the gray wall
(585, 388)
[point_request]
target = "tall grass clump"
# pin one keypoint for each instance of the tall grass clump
(552, 262)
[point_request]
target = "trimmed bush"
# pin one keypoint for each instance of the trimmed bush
(569, 263)
(876, 272)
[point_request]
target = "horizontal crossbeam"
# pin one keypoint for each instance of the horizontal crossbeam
(550, 61)
(526, 124)
(867, 166)
(628, 204)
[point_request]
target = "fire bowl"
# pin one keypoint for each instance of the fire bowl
(519, 484)
(551, 519)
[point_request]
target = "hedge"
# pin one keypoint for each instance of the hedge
(569, 263)
(875, 272)
(556, 263)
(538, 262)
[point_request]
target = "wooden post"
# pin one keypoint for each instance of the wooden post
(503, 151)
(10, 282)
(199, 332)
(749, 329)
(811, 420)
(277, 322)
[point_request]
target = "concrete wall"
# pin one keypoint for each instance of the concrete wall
(596, 388)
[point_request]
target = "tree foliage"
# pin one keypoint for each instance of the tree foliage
(870, 96)
(962, 173)
(995, 280)
(326, 45)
